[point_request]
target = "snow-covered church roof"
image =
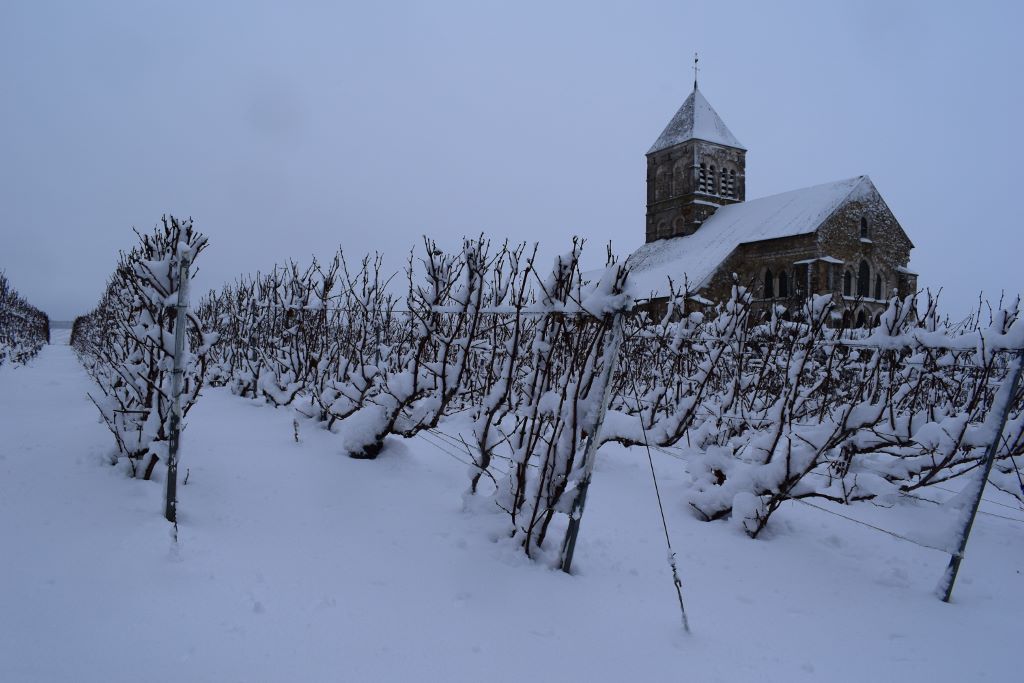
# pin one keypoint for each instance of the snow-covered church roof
(696, 119)
(696, 257)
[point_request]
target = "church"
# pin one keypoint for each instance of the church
(838, 238)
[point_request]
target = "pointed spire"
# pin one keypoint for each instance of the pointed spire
(695, 70)
(696, 119)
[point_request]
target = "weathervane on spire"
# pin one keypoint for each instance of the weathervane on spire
(695, 70)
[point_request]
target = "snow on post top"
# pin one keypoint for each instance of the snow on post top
(696, 119)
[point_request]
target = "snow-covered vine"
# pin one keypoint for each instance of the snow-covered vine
(24, 329)
(762, 409)
(127, 344)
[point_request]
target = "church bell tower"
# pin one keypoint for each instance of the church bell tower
(694, 167)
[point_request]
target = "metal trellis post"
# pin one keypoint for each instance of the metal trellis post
(1011, 387)
(180, 323)
(611, 354)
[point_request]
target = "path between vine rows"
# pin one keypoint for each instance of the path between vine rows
(296, 563)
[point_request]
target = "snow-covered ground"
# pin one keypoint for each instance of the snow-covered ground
(296, 563)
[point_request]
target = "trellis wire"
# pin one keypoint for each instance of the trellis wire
(668, 541)
(871, 526)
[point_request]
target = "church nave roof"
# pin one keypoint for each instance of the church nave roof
(696, 257)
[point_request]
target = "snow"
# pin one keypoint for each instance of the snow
(826, 259)
(696, 119)
(698, 256)
(296, 563)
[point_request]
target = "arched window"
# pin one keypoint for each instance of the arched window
(847, 283)
(677, 178)
(769, 284)
(878, 286)
(723, 183)
(702, 179)
(864, 280)
(711, 180)
(732, 183)
(865, 233)
(783, 284)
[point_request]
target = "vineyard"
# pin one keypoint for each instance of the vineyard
(486, 416)
(526, 371)
(499, 342)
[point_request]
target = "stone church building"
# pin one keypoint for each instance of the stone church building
(839, 238)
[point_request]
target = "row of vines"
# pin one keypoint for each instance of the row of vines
(760, 409)
(24, 329)
(531, 368)
(126, 344)
(772, 410)
(483, 333)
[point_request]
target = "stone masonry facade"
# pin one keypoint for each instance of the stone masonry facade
(686, 183)
(858, 254)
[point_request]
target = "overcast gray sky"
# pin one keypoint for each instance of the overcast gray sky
(286, 129)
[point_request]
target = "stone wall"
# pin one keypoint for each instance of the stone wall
(801, 265)
(681, 195)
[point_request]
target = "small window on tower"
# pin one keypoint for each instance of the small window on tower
(702, 179)
(711, 180)
(732, 183)
(723, 183)
(864, 231)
